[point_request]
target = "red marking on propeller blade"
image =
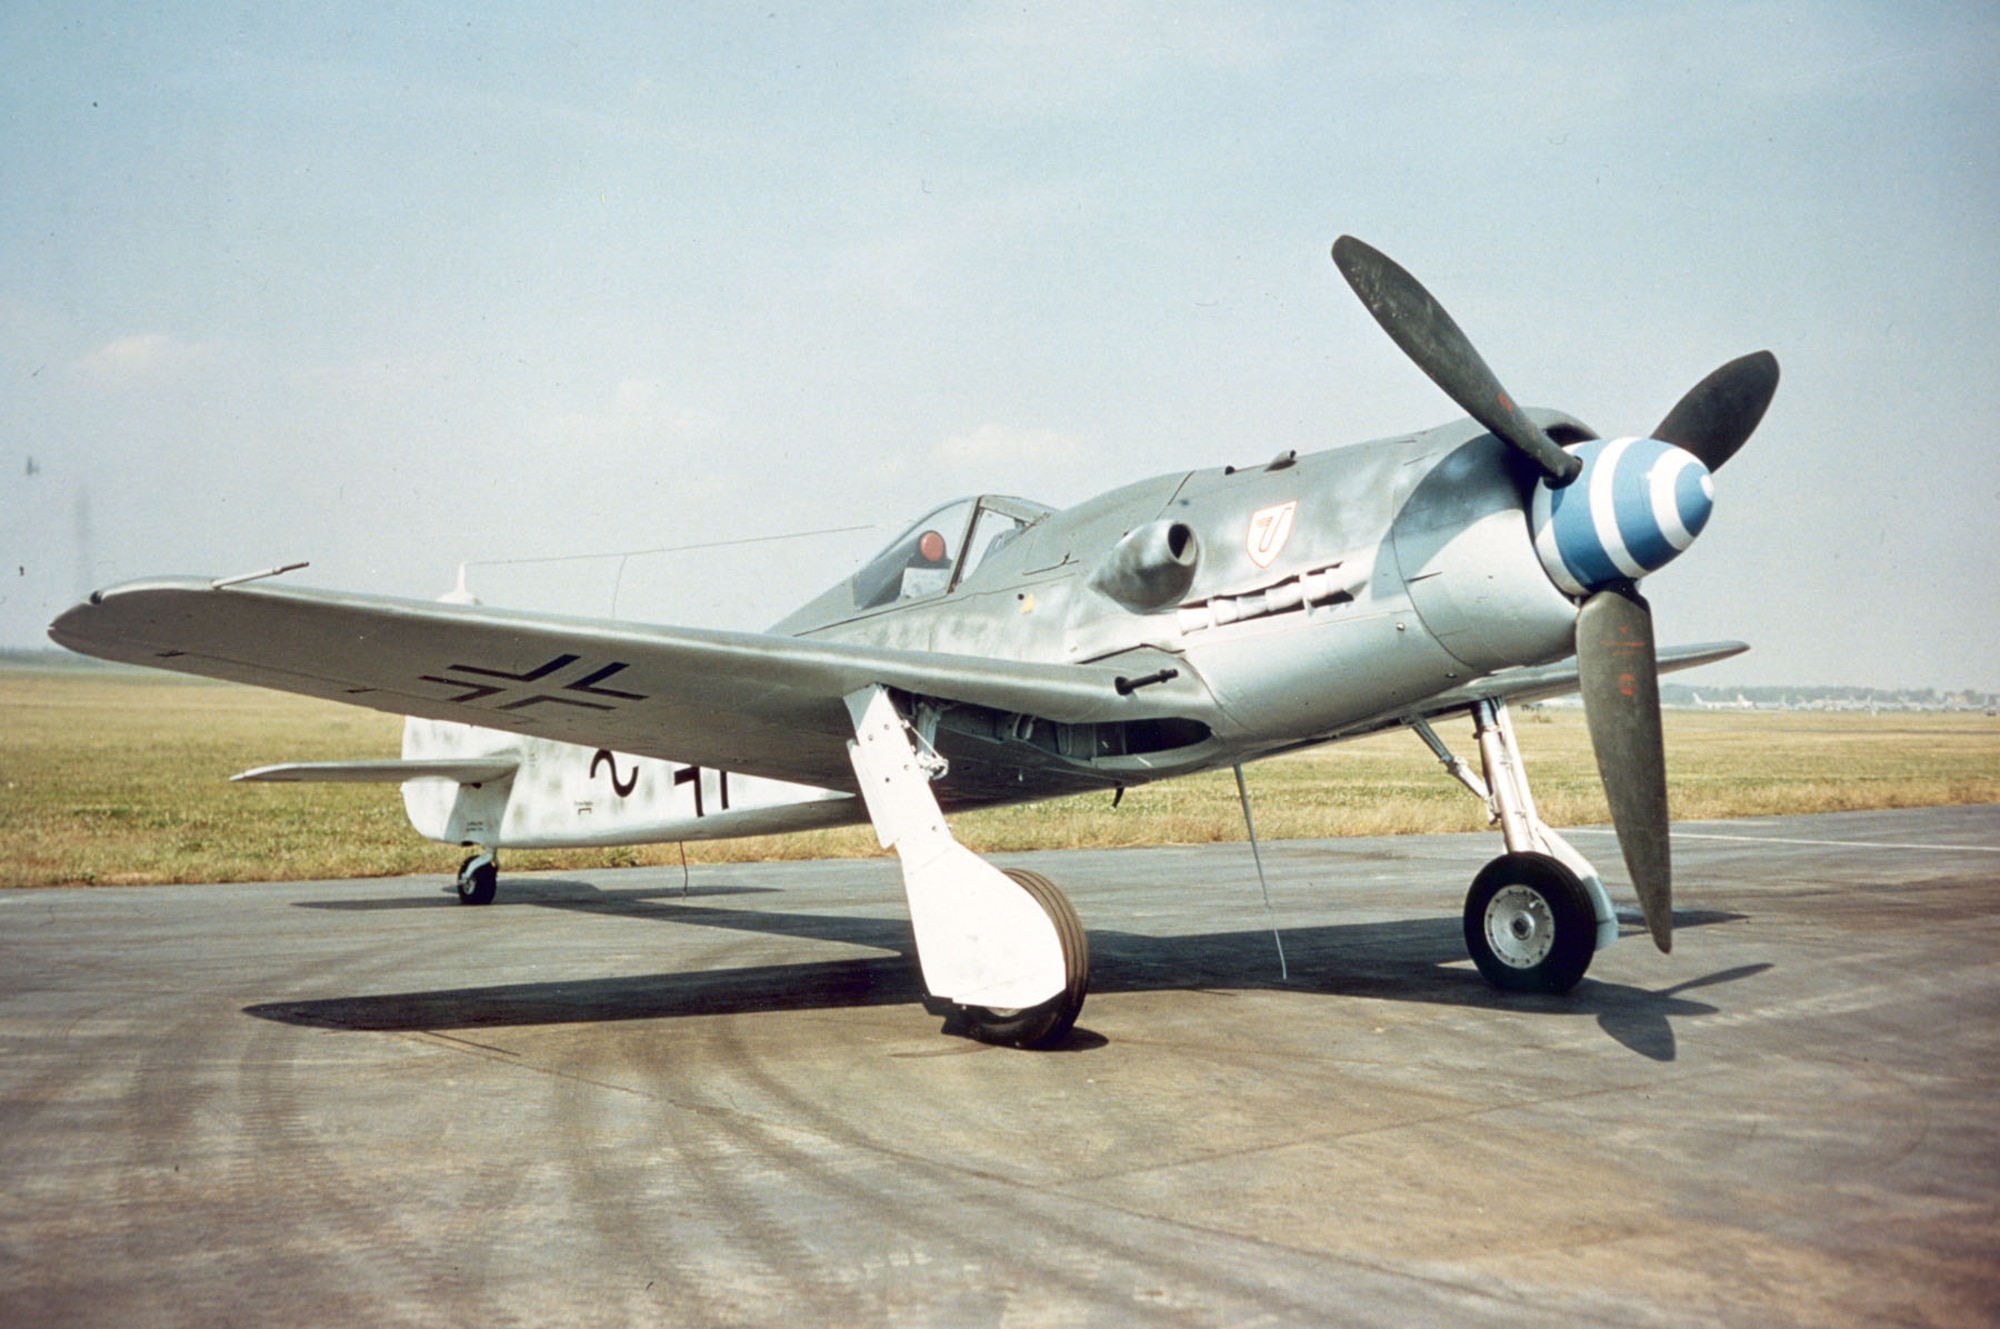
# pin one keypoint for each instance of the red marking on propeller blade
(1628, 686)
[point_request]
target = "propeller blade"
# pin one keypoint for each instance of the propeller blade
(1620, 678)
(1722, 410)
(1418, 324)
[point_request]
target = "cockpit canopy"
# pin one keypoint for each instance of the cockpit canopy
(942, 549)
(932, 556)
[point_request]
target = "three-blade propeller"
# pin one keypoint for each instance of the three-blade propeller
(1617, 665)
(1417, 323)
(1722, 410)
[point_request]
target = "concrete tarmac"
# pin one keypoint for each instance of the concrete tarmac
(601, 1101)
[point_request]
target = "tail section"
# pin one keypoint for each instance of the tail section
(560, 795)
(459, 810)
(464, 784)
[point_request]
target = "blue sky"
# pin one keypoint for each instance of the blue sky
(391, 290)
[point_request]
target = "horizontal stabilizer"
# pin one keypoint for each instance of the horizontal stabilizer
(466, 770)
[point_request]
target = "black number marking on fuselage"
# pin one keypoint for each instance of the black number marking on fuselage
(623, 788)
(692, 775)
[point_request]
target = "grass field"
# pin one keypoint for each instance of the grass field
(114, 778)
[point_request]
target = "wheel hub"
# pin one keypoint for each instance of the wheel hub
(1520, 927)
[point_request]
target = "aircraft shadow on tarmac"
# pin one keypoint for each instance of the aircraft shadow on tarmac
(549, 893)
(1420, 960)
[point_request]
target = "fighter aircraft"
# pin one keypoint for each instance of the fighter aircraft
(1001, 651)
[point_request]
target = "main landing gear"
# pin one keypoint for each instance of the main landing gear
(1004, 949)
(479, 878)
(1049, 1023)
(1529, 924)
(1537, 914)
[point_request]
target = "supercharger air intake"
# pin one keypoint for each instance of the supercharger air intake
(1151, 568)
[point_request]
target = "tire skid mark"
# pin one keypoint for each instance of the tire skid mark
(1465, 1113)
(465, 1047)
(180, 1158)
(722, 1250)
(1011, 1205)
(339, 1231)
(622, 1202)
(469, 1236)
(735, 1176)
(628, 1186)
(776, 1219)
(726, 1150)
(355, 1227)
(940, 1213)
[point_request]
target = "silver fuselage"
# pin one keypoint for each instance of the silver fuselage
(1406, 568)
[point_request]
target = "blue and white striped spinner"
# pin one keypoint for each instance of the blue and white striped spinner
(1638, 504)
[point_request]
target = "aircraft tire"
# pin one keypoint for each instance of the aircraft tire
(477, 885)
(1529, 924)
(1048, 1024)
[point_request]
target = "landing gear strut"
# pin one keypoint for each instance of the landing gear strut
(479, 878)
(1004, 949)
(1537, 914)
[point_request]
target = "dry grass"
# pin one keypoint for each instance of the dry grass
(122, 779)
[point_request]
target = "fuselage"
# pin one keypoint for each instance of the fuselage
(1327, 594)
(1254, 610)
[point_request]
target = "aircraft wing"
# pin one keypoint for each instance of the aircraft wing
(751, 702)
(1540, 682)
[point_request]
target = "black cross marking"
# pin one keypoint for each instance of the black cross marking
(479, 692)
(476, 692)
(528, 677)
(541, 697)
(584, 684)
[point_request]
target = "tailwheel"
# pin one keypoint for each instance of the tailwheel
(478, 879)
(1049, 1023)
(1529, 924)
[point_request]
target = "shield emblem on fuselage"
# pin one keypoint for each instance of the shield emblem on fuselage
(1269, 529)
